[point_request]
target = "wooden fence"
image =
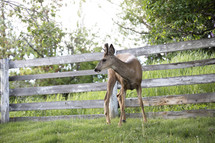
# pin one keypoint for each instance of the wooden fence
(6, 64)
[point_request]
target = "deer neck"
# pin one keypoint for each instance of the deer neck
(121, 68)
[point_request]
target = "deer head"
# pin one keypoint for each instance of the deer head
(108, 58)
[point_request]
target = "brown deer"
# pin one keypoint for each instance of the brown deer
(126, 69)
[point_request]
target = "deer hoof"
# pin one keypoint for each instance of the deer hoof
(124, 121)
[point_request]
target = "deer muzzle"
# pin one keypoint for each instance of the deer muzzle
(97, 70)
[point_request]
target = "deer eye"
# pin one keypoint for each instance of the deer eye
(103, 60)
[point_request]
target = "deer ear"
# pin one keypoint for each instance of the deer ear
(111, 50)
(106, 49)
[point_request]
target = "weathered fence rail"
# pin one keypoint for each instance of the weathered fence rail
(147, 50)
(165, 115)
(130, 102)
(92, 72)
(5, 65)
(87, 87)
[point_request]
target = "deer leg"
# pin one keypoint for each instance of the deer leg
(123, 104)
(110, 85)
(139, 93)
(106, 108)
(121, 99)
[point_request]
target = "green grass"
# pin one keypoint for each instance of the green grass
(155, 131)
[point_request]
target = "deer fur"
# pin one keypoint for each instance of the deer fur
(127, 70)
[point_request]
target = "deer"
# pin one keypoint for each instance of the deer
(127, 70)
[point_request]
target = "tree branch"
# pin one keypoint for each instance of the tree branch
(127, 28)
(146, 24)
(192, 32)
(22, 6)
(33, 48)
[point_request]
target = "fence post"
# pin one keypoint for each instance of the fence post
(114, 103)
(113, 106)
(5, 91)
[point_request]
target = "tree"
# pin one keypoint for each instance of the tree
(31, 28)
(162, 21)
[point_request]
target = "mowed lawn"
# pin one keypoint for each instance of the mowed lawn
(192, 130)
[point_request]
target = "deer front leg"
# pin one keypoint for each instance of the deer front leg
(139, 93)
(106, 107)
(110, 86)
(121, 100)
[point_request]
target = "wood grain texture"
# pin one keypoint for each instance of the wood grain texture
(57, 75)
(175, 114)
(181, 80)
(53, 118)
(172, 100)
(147, 50)
(0, 73)
(87, 87)
(88, 57)
(130, 102)
(180, 46)
(5, 91)
(113, 105)
(147, 83)
(82, 104)
(150, 115)
(179, 65)
(91, 72)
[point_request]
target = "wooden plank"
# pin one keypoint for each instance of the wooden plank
(147, 50)
(0, 73)
(113, 105)
(57, 105)
(179, 65)
(175, 114)
(181, 80)
(91, 72)
(53, 118)
(147, 83)
(58, 89)
(56, 60)
(172, 100)
(150, 115)
(179, 46)
(5, 91)
(57, 75)
(130, 102)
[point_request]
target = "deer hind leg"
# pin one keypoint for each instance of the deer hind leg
(121, 99)
(110, 85)
(139, 93)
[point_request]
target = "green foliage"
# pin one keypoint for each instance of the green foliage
(36, 35)
(164, 21)
(156, 131)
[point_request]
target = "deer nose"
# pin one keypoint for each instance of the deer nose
(96, 70)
